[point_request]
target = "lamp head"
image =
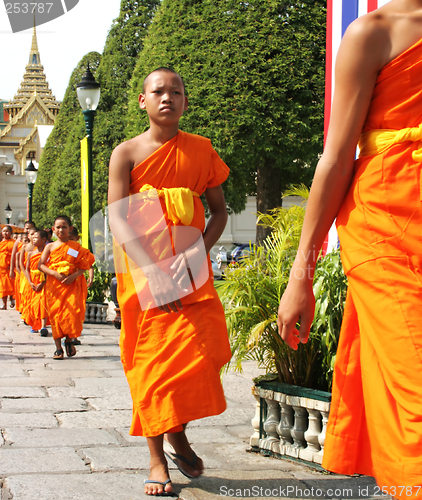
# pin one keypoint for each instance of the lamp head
(88, 91)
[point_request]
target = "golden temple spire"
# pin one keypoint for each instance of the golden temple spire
(34, 55)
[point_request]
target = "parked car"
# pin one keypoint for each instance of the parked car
(235, 254)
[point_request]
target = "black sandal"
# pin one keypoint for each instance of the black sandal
(59, 354)
(70, 349)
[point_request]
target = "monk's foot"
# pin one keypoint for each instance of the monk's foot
(158, 482)
(182, 455)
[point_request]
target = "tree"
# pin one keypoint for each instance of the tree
(58, 187)
(255, 79)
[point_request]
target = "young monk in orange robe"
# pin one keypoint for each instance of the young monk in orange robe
(7, 287)
(64, 262)
(25, 288)
(174, 337)
(37, 315)
(375, 423)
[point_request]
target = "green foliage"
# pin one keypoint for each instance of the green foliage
(255, 77)
(99, 291)
(251, 294)
(58, 187)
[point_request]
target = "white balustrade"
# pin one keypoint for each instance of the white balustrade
(295, 426)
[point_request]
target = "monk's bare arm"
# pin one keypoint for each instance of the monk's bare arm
(361, 56)
(161, 285)
(13, 259)
(118, 204)
(218, 219)
(27, 271)
(21, 256)
(42, 264)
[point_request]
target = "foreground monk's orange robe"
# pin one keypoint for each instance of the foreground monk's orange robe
(66, 303)
(37, 307)
(6, 282)
(25, 293)
(172, 360)
(375, 424)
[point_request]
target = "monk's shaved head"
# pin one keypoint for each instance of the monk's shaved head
(168, 70)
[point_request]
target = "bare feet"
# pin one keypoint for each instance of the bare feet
(192, 466)
(159, 473)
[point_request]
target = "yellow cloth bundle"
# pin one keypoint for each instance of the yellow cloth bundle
(38, 274)
(62, 267)
(374, 142)
(179, 202)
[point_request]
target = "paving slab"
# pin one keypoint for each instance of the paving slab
(95, 419)
(50, 381)
(113, 486)
(45, 438)
(110, 458)
(45, 404)
(38, 460)
(28, 420)
(120, 401)
(22, 392)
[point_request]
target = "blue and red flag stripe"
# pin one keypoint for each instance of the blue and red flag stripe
(340, 13)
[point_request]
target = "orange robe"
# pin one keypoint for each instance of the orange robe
(66, 303)
(375, 423)
(6, 282)
(25, 292)
(18, 281)
(172, 361)
(37, 307)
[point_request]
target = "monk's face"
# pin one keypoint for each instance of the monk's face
(31, 234)
(61, 229)
(164, 98)
(6, 233)
(27, 227)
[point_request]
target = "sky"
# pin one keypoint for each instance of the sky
(62, 43)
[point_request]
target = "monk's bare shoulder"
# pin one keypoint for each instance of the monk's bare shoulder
(129, 154)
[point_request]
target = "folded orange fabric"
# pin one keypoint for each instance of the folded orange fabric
(172, 361)
(66, 303)
(375, 424)
(37, 308)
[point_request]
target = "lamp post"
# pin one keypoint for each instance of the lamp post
(8, 213)
(88, 91)
(31, 176)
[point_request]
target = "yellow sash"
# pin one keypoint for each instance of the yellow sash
(374, 142)
(179, 202)
(62, 267)
(35, 273)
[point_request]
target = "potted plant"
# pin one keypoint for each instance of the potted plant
(98, 293)
(293, 399)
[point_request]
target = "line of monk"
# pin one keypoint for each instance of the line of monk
(47, 280)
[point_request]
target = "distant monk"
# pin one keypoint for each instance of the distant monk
(7, 286)
(175, 345)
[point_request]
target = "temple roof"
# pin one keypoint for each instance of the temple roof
(34, 83)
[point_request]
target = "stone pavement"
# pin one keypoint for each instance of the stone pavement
(64, 431)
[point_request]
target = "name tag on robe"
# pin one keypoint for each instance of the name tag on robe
(72, 252)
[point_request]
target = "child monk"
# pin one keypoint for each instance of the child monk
(7, 287)
(74, 236)
(174, 346)
(14, 264)
(37, 315)
(25, 289)
(64, 262)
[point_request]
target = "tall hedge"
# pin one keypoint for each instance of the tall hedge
(254, 72)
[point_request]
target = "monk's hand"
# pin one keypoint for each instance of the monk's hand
(12, 274)
(163, 289)
(59, 276)
(68, 280)
(188, 264)
(296, 305)
(34, 287)
(39, 287)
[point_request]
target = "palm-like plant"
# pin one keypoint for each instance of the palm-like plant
(251, 295)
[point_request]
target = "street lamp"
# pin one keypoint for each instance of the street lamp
(31, 176)
(8, 213)
(88, 91)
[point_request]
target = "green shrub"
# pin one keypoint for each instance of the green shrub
(251, 293)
